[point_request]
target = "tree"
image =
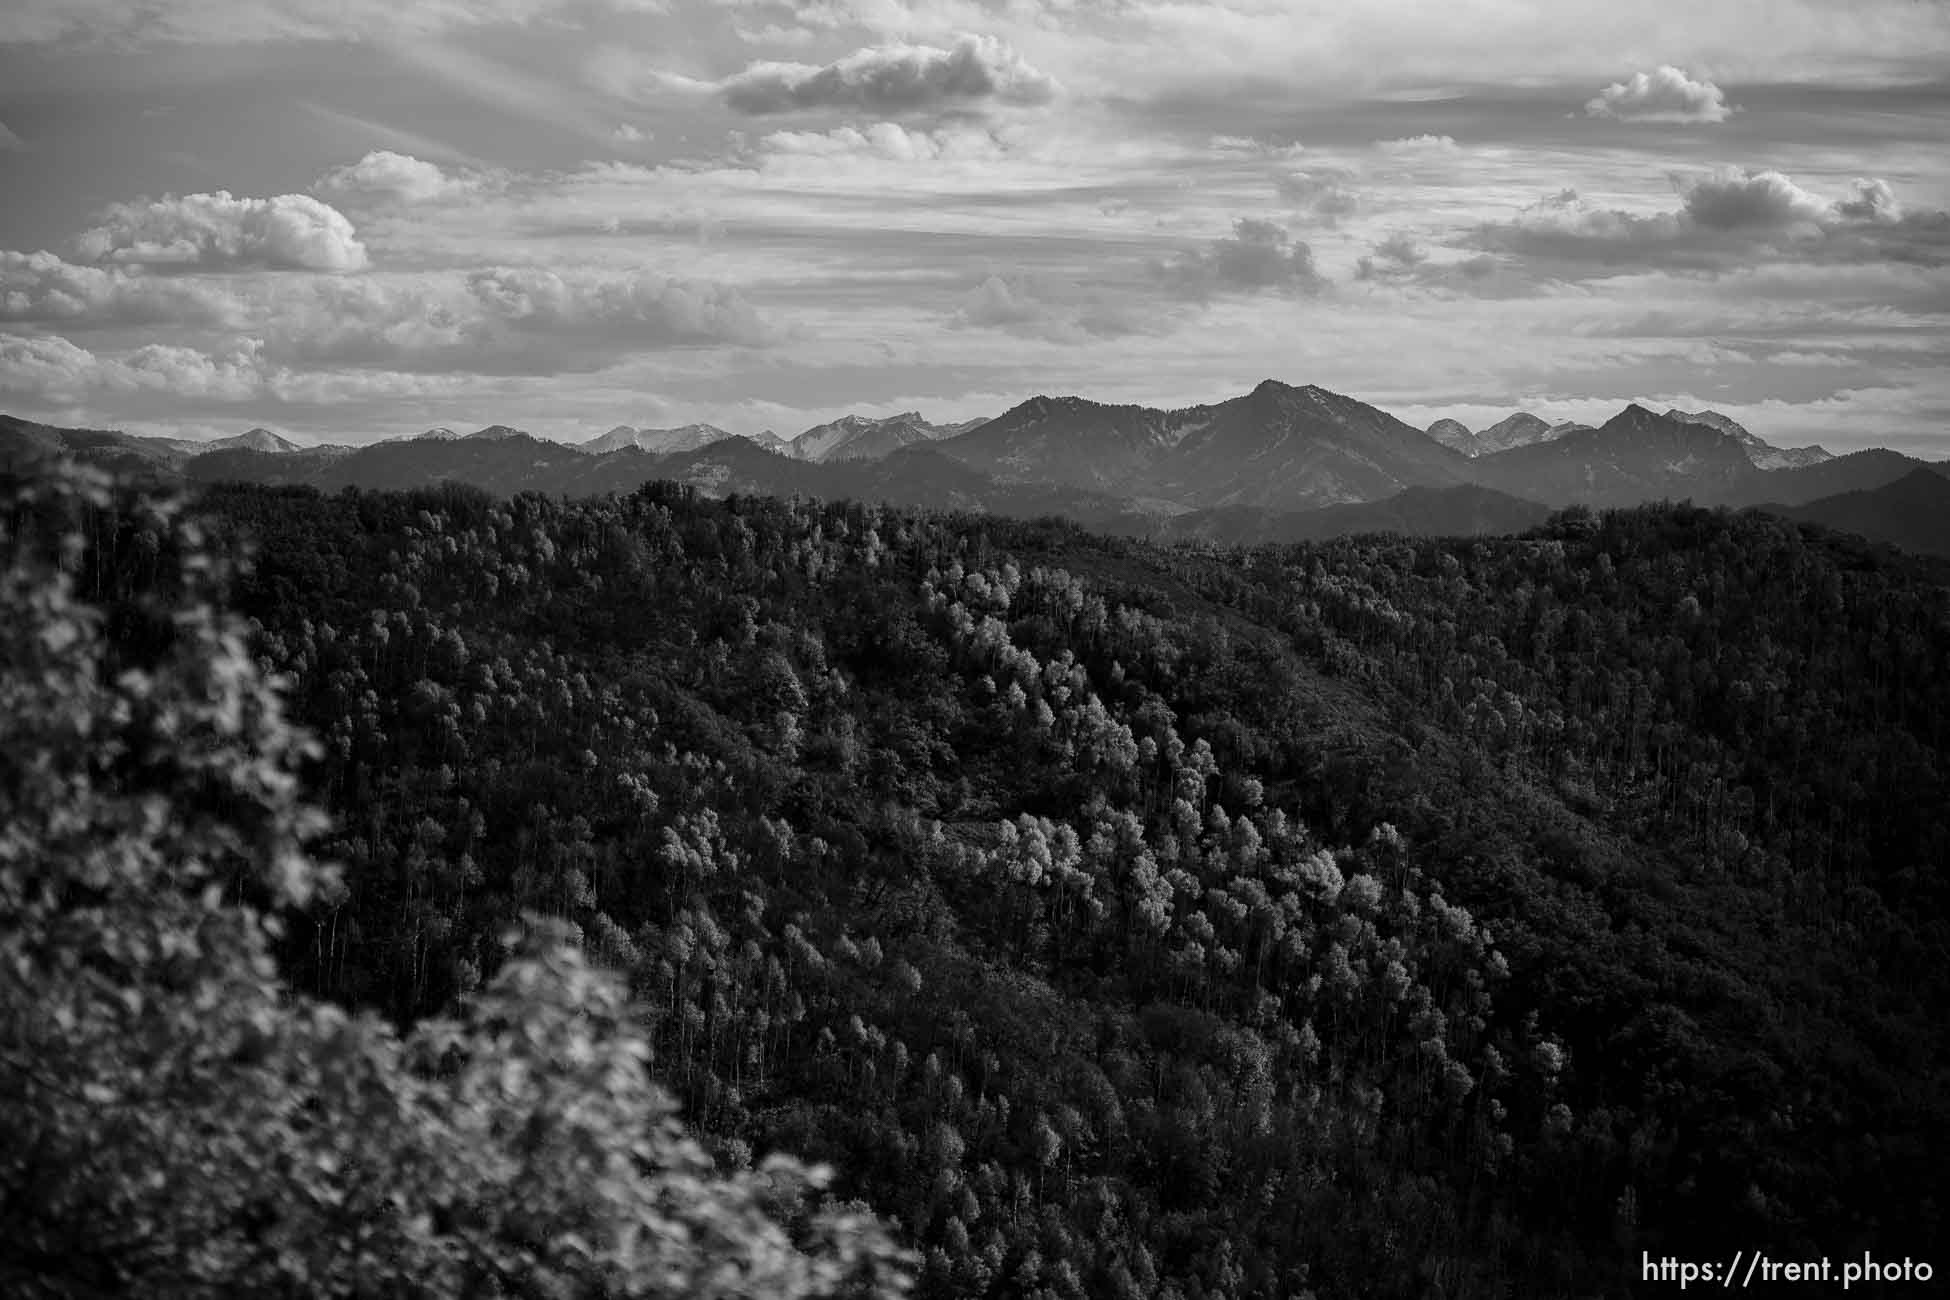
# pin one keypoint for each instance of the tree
(176, 1121)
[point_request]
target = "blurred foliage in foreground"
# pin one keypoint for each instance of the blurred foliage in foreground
(175, 1121)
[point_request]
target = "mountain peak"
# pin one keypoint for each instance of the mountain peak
(867, 437)
(258, 439)
(1518, 429)
(1278, 388)
(657, 442)
(1044, 404)
(1455, 435)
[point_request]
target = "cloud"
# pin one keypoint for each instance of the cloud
(893, 78)
(1258, 256)
(508, 320)
(51, 367)
(627, 134)
(1729, 219)
(1400, 262)
(10, 142)
(639, 308)
(42, 366)
(1419, 145)
(1169, 51)
(1042, 308)
(1394, 256)
(503, 86)
(185, 372)
(368, 132)
(43, 287)
(1663, 95)
(1755, 201)
(289, 232)
(385, 176)
(883, 140)
(1246, 146)
(1321, 192)
(121, 25)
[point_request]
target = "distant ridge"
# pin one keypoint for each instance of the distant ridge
(1635, 456)
(861, 437)
(1278, 447)
(1913, 512)
(1464, 511)
(658, 442)
(1764, 455)
(1279, 462)
(1519, 430)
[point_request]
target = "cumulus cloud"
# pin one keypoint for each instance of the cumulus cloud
(1399, 261)
(1042, 308)
(893, 78)
(884, 140)
(42, 366)
(1396, 255)
(511, 320)
(1322, 193)
(43, 287)
(233, 376)
(1874, 202)
(9, 141)
(49, 367)
(1755, 201)
(1419, 145)
(1665, 94)
(628, 134)
(217, 231)
(385, 176)
(640, 308)
(1725, 220)
(1259, 256)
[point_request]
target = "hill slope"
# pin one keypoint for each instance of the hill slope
(1913, 512)
(1466, 511)
(1368, 918)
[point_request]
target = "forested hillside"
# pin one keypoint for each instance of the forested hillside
(1366, 917)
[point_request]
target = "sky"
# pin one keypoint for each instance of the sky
(362, 219)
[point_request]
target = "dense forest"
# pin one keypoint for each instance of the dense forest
(1369, 917)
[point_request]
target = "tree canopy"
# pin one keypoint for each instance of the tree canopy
(176, 1120)
(1372, 917)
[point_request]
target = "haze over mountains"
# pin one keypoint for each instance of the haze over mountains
(1278, 463)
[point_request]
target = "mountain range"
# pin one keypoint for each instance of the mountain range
(1280, 463)
(1520, 429)
(860, 437)
(1764, 455)
(660, 442)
